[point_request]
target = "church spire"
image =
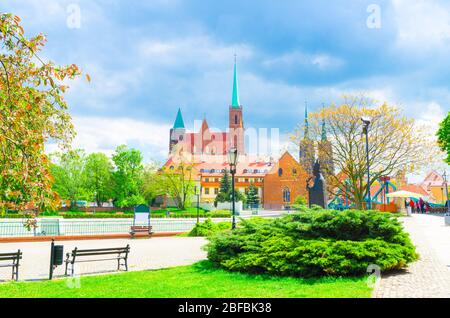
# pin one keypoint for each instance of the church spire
(235, 99)
(324, 130)
(179, 122)
(306, 121)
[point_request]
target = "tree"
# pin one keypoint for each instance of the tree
(68, 170)
(396, 144)
(177, 182)
(128, 176)
(225, 190)
(252, 195)
(151, 184)
(444, 136)
(32, 111)
(98, 171)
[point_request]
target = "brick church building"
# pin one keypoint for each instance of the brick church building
(279, 182)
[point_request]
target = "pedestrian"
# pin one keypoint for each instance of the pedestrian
(427, 207)
(411, 206)
(418, 206)
(422, 205)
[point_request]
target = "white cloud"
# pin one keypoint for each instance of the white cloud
(297, 58)
(197, 50)
(100, 134)
(422, 24)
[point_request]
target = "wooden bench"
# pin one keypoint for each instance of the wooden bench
(141, 229)
(13, 262)
(82, 256)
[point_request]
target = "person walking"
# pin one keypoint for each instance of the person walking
(418, 206)
(410, 207)
(422, 205)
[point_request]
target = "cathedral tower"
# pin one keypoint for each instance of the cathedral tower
(177, 132)
(307, 151)
(325, 151)
(236, 122)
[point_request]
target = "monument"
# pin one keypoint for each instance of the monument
(317, 192)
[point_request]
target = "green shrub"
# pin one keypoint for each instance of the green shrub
(314, 244)
(208, 228)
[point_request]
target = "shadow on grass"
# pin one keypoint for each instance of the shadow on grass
(207, 267)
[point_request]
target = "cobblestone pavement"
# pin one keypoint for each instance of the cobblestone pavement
(154, 253)
(430, 276)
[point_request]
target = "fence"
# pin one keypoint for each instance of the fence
(56, 226)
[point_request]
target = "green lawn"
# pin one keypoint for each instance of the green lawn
(198, 280)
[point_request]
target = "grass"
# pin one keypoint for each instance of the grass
(194, 281)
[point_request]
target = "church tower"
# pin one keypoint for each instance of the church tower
(307, 152)
(325, 150)
(177, 132)
(236, 122)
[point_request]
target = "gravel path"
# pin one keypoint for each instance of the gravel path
(430, 276)
(157, 252)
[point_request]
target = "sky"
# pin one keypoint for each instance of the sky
(148, 58)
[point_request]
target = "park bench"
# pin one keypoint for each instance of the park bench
(106, 254)
(146, 229)
(13, 262)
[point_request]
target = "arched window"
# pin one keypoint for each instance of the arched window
(235, 119)
(286, 195)
(180, 138)
(280, 172)
(294, 172)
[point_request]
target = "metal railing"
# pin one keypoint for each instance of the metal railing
(16, 228)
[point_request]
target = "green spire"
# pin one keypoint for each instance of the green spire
(235, 100)
(324, 130)
(179, 123)
(306, 120)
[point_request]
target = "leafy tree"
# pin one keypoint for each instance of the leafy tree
(396, 144)
(177, 182)
(151, 184)
(252, 195)
(32, 111)
(69, 175)
(444, 136)
(128, 176)
(98, 170)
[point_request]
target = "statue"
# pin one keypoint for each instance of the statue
(317, 192)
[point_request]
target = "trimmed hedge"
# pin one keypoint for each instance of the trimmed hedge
(314, 243)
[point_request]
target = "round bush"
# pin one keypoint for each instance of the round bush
(314, 243)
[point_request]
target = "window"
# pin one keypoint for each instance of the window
(280, 172)
(235, 142)
(286, 195)
(294, 172)
(235, 119)
(206, 190)
(206, 179)
(180, 138)
(216, 191)
(172, 167)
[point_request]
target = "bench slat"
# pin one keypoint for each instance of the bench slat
(10, 258)
(103, 250)
(10, 254)
(98, 253)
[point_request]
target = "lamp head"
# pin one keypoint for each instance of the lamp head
(366, 120)
(232, 157)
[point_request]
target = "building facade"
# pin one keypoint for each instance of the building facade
(207, 152)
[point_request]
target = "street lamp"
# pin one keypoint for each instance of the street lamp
(366, 123)
(447, 202)
(197, 193)
(232, 160)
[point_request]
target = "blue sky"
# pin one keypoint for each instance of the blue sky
(147, 58)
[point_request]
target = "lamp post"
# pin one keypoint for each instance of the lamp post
(197, 193)
(366, 124)
(232, 160)
(447, 202)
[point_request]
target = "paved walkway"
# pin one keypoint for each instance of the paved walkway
(157, 252)
(430, 276)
